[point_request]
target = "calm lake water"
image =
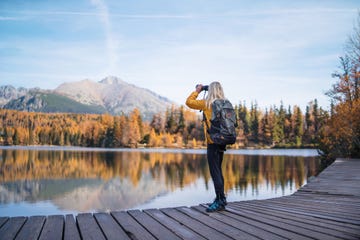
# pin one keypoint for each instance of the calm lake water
(54, 180)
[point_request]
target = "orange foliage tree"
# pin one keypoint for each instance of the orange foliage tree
(340, 137)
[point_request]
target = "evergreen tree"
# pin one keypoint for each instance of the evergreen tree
(171, 124)
(288, 128)
(267, 128)
(298, 126)
(254, 123)
(181, 122)
(244, 117)
(279, 121)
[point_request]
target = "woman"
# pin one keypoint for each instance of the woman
(215, 152)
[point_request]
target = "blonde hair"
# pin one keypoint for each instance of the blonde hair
(215, 92)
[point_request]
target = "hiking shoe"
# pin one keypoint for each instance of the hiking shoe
(217, 205)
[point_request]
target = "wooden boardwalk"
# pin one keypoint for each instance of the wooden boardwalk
(328, 207)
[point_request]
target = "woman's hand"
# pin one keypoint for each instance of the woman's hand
(199, 88)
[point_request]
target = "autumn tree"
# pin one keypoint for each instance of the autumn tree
(134, 128)
(340, 136)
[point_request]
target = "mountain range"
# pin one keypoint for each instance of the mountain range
(110, 95)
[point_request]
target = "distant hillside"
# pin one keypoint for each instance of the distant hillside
(111, 95)
(51, 102)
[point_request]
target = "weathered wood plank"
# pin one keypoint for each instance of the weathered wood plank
(3, 220)
(243, 226)
(31, 228)
(340, 210)
(11, 227)
(314, 213)
(88, 227)
(133, 229)
(325, 226)
(179, 229)
(206, 219)
(200, 228)
(329, 223)
(270, 226)
(340, 178)
(110, 227)
(326, 199)
(71, 231)
(153, 226)
(308, 229)
(53, 228)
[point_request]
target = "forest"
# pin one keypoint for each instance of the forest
(178, 127)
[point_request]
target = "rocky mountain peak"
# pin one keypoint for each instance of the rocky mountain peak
(8, 93)
(111, 80)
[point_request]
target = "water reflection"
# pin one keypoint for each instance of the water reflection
(82, 181)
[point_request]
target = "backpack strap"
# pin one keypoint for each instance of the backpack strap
(206, 123)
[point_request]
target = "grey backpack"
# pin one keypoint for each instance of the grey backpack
(223, 122)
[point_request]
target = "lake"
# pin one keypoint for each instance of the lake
(71, 180)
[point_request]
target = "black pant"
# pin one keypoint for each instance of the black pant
(215, 154)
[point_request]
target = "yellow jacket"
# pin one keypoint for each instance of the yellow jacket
(193, 103)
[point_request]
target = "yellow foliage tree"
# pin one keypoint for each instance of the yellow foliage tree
(341, 134)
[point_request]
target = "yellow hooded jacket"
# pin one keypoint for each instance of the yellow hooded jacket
(193, 103)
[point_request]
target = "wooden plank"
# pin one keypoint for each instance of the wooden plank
(321, 215)
(153, 226)
(88, 227)
(31, 228)
(3, 220)
(53, 228)
(175, 226)
(307, 229)
(325, 226)
(11, 227)
(110, 227)
(133, 229)
(347, 227)
(200, 228)
(340, 178)
(243, 226)
(71, 231)
(326, 199)
(270, 226)
(347, 212)
(211, 222)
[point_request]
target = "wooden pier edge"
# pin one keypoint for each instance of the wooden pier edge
(327, 207)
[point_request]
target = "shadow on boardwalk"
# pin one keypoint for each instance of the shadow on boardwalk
(328, 207)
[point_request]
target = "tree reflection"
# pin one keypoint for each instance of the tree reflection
(174, 170)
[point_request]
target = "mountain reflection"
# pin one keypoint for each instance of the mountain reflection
(100, 181)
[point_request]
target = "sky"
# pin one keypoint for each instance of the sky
(264, 52)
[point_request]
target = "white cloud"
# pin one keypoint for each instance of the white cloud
(111, 42)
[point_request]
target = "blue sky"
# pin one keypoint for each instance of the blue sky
(263, 51)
